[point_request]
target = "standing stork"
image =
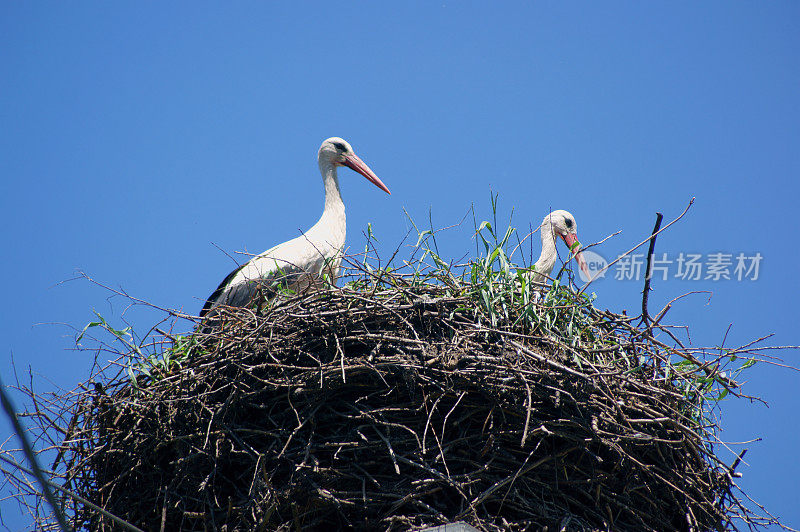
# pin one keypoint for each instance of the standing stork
(302, 261)
(557, 223)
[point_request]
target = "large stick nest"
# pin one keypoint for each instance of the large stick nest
(408, 398)
(396, 408)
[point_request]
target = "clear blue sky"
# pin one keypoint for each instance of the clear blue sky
(137, 136)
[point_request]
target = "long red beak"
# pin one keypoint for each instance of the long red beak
(353, 162)
(571, 240)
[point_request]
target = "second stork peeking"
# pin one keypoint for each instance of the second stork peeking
(302, 261)
(557, 224)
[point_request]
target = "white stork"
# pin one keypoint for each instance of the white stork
(302, 261)
(557, 223)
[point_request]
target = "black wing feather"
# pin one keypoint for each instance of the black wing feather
(280, 279)
(218, 292)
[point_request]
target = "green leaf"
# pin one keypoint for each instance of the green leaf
(508, 234)
(88, 326)
(422, 235)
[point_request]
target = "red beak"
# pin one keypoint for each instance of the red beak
(571, 240)
(353, 162)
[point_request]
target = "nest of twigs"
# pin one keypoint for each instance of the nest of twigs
(400, 401)
(397, 409)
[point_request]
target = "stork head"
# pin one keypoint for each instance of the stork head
(338, 152)
(564, 225)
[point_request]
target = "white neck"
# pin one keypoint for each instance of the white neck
(331, 228)
(334, 205)
(547, 259)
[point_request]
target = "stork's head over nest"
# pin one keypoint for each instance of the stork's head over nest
(338, 152)
(563, 224)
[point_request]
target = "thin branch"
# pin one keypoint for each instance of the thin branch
(637, 246)
(8, 407)
(649, 275)
(75, 496)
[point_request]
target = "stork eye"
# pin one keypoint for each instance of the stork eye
(568, 223)
(339, 146)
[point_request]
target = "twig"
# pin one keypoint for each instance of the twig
(75, 496)
(735, 464)
(649, 274)
(637, 246)
(8, 407)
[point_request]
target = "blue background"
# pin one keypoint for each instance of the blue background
(137, 136)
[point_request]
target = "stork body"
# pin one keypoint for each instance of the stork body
(301, 262)
(556, 224)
